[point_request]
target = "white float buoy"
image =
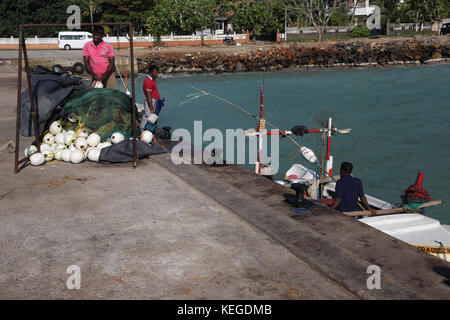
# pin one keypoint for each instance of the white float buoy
(58, 154)
(83, 133)
(57, 147)
(93, 139)
(308, 154)
(117, 137)
(30, 150)
(81, 143)
(65, 155)
(77, 156)
(147, 136)
(55, 128)
(37, 159)
(59, 138)
(86, 152)
(72, 119)
(104, 145)
(48, 155)
(45, 147)
(49, 139)
(69, 136)
(94, 154)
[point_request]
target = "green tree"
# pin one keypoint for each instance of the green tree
(438, 9)
(134, 11)
(14, 13)
(254, 15)
(340, 17)
(183, 16)
(277, 10)
(429, 11)
(162, 19)
(390, 9)
(319, 12)
(196, 15)
(361, 30)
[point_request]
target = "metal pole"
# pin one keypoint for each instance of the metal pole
(133, 98)
(19, 101)
(90, 10)
(30, 91)
(328, 148)
(285, 23)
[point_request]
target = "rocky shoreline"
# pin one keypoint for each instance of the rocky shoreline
(280, 57)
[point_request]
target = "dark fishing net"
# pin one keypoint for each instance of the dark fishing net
(103, 111)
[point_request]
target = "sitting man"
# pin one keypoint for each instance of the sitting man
(348, 189)
(99, 59)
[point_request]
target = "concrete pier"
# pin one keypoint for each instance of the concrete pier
(162, 231)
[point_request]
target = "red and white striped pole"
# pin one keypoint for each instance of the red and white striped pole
(261, 129)
(329, 162)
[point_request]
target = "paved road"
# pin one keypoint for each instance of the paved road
(49, 54)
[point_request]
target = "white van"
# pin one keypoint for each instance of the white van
(73, 39)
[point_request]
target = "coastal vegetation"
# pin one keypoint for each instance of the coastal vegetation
(359, 31)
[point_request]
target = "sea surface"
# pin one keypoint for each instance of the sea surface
(399, 116)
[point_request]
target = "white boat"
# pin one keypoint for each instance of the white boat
(422, 232)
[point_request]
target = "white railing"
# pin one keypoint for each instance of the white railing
(410, 26)
(194, 37)
(149, 38)
(311, 30)
(34, 40)
(295, 31)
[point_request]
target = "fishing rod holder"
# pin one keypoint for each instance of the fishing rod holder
(166, 133)
(300, 201)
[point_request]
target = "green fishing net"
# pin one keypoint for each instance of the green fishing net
(103, 111)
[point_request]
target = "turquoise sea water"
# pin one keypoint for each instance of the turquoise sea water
(400, 119)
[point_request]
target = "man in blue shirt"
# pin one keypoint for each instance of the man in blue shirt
(348, 189)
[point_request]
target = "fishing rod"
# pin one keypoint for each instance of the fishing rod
(123, 83)
(206, 93)
(306, 153)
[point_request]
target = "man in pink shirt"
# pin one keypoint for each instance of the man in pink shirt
(99, 60)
